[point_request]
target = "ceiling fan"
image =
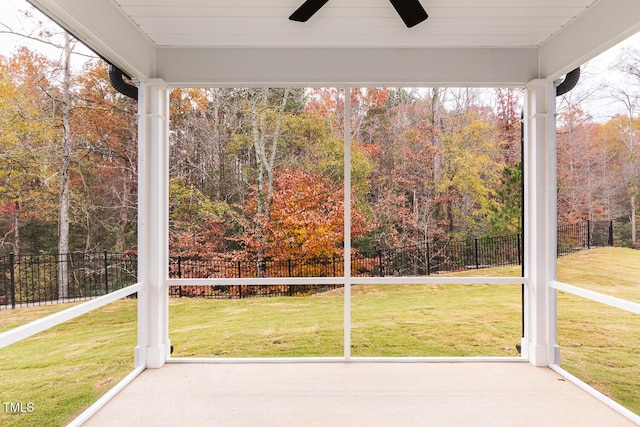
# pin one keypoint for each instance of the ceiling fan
(411, 11)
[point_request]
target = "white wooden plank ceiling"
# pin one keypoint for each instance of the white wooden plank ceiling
(237, 42)
(350, 23)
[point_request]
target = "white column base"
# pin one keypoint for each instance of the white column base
(139, 359)
(556, 355)
(156, 356)
(524, 348)
(538, 354)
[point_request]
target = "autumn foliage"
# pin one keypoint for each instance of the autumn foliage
(258, 173)
(305, 218)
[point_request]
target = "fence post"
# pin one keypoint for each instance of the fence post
(380, 263)
(180, 275)
(289, 271)
(334, 265)
(106, 277)
(476, 253)
(428, 260)
(610, 233)
(13, 279)
(588, 234)
(239, 276)
(519, 250)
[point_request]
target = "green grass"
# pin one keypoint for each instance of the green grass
(438, 320)
(10, 318)
(63, 370)
(269, 327)
(614, 271)
(599, 344)
(399, 320)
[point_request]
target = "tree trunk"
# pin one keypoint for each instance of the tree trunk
(634, 227)
(123, 217)
(265, 155)
(16, 230)
(65, 166)
(436, 123)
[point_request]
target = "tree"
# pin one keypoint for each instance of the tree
(62, 97)
(509, 123)
(629, 97)
(105, 165)
(581, 172)
(196, 223)
(305, 219)
(505, 215)
(202, 145)
(620, 136)
(65, 169)
(27, 175)
(470, 173)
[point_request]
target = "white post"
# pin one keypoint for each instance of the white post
(153, 204)
(540, 223)
(347, 223)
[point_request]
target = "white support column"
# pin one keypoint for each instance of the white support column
(347, 222)
(540, 222)
(153, 204)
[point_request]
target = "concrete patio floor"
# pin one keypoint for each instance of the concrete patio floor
(355, 394)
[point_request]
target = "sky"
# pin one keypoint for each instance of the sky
(10, 15)
(595, 73)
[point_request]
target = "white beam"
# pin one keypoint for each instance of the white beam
(540, 222)
(347, 222)
(153, 226)
(357, 66)
(611, 301)
(434, 279)
(105, 29)
(602, 26)
(25, 331)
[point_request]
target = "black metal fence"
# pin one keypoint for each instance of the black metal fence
(440, 257)
(180, 268)
(584, 235)
(36, 279)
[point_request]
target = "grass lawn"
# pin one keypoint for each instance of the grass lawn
(63, 370)
(403, 320)
(258, 327)
(435, 320)
(10, 318)
(614, 271)
(601, 346)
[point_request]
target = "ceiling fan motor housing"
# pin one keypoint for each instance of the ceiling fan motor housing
(411, 11)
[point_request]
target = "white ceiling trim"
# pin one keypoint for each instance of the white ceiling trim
(602, 26)
(331, 67)
(102, 27)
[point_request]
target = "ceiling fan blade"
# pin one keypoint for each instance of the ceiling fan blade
(307, 10)
(411, 11)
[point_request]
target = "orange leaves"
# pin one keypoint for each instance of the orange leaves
(305, 215)
(305, 218)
